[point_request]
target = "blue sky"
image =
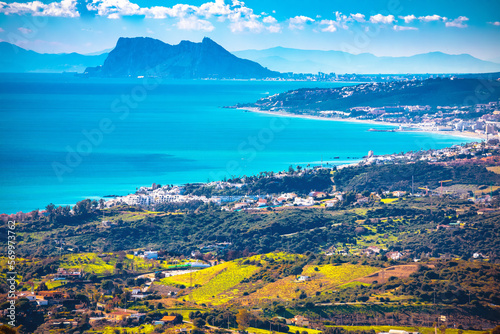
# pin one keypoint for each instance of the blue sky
(384, 28)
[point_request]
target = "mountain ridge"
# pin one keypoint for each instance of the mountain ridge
(141, 56)
(16, 59)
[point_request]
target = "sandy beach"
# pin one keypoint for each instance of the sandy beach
(468, 135)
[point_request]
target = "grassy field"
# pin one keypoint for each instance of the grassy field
(184, 311)
(55, 284)
(293, 329)
(389, 200)
(494, 169)
(352, 284)
(143, 329)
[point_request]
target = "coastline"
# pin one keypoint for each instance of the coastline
(468, 135)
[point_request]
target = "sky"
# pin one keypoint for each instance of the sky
(380, 27)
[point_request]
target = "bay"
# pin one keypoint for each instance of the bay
(65, 138)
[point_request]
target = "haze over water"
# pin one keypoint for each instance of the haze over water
(168, 133)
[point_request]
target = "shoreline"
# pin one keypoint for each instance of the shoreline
(468, 135)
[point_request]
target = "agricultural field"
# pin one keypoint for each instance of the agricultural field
(494, 169)
(287, 289)
(104, 266)
(213, 292)
(382, 276)
(51, 285)
(294, 329)
(222, 283)
(389, 200)
(200, 277)
(88, 262)
(143, 329)
(341, 274)
(276, 257)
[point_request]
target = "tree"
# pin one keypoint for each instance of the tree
(199, 322)
(51, 208)
(243, 319)
(35, 214)
(42, 287)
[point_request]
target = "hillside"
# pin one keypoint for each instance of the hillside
(376, 257)
(432, 92)
(187, 60)
(18, 60)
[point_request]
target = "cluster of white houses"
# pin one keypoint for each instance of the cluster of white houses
(148, 196)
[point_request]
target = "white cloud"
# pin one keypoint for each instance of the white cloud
(330, 25)
(246, 25)
(25, 31)
(1, 30)
(298, 22)
(275, 28)
(379, 18)
(189, 17)
(340, 22)
(431, 18)
(401, 28)
(65, 8)
(216, 8)
(497, 23)
(193, 23)
(358, 17)
(269, 19)
(408, 18)
(458, 22)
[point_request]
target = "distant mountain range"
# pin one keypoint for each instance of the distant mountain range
(135, 56)
(18, 60)
(186, 60)
(314, 61)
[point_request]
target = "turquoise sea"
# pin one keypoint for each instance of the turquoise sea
(65, 138)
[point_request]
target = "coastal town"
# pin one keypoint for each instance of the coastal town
(156, 194)
(475, 113)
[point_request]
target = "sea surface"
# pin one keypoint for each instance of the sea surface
(65, 138)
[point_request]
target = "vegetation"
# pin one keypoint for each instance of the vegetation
(432, 92)
(372, 258)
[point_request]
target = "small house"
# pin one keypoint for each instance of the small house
(169, 319)
(151, 255)
(298, 320)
